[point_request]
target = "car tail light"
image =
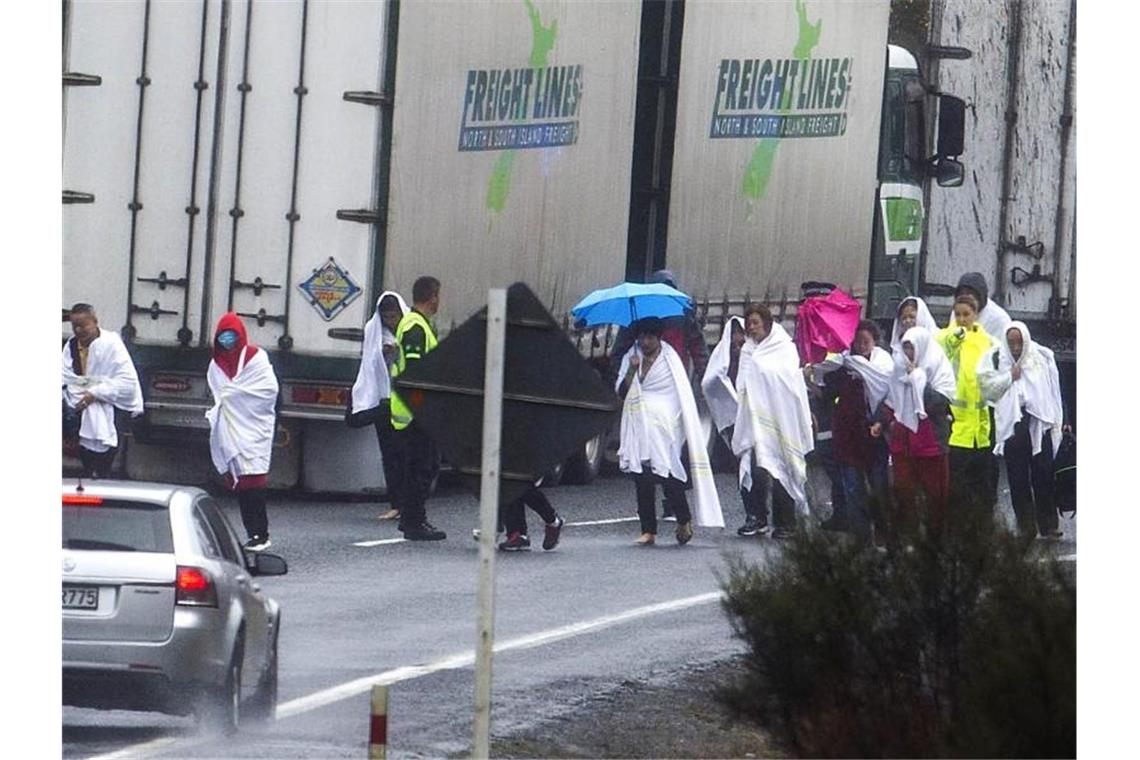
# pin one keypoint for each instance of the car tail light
(79, 499)
(194, 587)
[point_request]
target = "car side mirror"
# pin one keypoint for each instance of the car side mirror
(949, 173)
(264, 563)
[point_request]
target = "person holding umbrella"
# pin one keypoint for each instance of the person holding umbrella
(659, 417)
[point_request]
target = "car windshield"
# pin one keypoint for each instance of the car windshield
(120, 526)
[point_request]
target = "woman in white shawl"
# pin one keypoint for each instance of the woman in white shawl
(1020, 377)
(372, 391)
(98, 377)
(242, 422)
(719, 387)
(773, 422)
(922, 387)
(912, 312)
(659, 417)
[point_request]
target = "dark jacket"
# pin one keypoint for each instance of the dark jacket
(682, 333)
(850, 419)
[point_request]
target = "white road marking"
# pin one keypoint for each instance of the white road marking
(381, 542)
(466, 659)
(135, 749)
(603, 522)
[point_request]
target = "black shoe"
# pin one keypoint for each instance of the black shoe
(783, 534)
(750, 527)
(684, 532)
(553, 533)
(516, 542)
(257, 544)
(425, 531)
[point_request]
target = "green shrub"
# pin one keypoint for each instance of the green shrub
(959, 644)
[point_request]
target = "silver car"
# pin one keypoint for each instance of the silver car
(160, 609)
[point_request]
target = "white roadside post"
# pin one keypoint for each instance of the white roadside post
(489, 516)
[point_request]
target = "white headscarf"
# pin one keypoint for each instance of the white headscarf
(923, 319)
(773, 422)
(1037, 391)
(373, 383)
(718, 387)
(933, 369)
(659, 416)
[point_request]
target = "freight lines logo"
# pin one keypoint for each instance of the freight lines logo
(780, 98)
(514, 109)
(521, 108)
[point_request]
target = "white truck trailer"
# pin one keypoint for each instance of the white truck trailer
(289, 160)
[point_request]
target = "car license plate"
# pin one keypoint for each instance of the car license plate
(80, 597)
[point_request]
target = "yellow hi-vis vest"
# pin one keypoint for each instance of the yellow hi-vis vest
(971, 428)
(401, 414)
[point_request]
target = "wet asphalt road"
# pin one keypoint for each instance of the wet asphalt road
(354, 612)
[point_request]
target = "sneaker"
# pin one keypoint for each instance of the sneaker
(668, 517)
(750, 527)
(477, 533)
(516, 542)
(257, 544)
(684, 533)
(553, 533)
(783, 534)
(425, 531)
(763, 530)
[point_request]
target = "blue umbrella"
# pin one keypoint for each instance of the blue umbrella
(628, 302)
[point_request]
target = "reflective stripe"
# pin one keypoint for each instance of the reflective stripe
(824, 436)
(959, 404)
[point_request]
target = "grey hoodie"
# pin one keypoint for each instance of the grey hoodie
(993, 318)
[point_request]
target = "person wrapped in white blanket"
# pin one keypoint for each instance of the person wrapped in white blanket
(1019, 376)
(372, 391)
(98, 377)
(911, 312)
(659, 417)
(719, 387)
(242, 422)
(773, 422)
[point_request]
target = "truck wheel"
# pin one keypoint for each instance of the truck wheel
(584, 466)
(263, 706)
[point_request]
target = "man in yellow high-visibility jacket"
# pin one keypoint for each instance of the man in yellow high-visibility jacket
(418, 459)
(966, 342)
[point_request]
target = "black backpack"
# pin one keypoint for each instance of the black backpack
(1065, 475)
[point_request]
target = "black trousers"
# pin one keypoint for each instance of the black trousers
(783, 505)
(514, 514)
(390, 459)
(1030, 481)
(97, 464)
(253, 515)
(645, 486)
(420, 465)
(971, 488)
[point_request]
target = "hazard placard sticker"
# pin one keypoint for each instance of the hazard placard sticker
(330, 289)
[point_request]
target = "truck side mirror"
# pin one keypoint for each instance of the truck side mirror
(949, 173)
(951, 126)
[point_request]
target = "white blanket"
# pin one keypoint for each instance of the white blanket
(773, 423)
(658, 417)
(243, 416)
(923, 319)
(373, 382)
(932, 369)
(876, 374)
(111, 378)
(1037, 391)
(718, 387)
